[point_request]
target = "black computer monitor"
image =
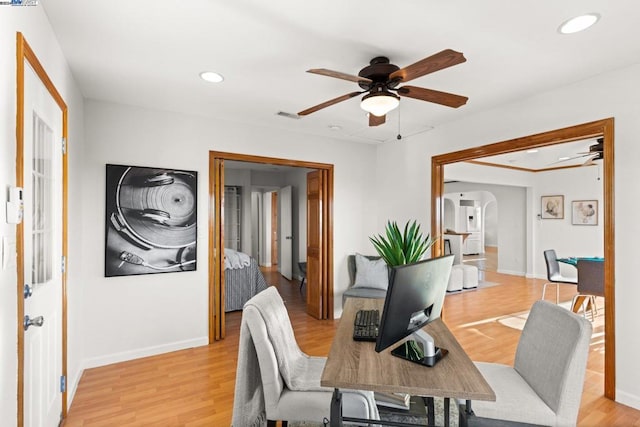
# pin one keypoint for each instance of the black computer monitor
(414, 298)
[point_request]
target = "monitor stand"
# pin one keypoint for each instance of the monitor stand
(420, 349)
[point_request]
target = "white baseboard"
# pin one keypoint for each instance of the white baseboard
(94, 362)
(72, 387)
(628, 399)
(512, 273)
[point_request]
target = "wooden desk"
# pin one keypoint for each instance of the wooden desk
(356, 365)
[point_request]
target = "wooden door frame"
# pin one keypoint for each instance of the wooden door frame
(275, 247)
(216, 233)
(600, 128)
(25, 53)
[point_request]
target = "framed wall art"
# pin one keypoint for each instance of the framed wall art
(584, 212)
(151, 220)
(552, 207)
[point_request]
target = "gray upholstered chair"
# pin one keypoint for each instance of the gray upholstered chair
(544, 387)
(590, 282)
(553, 274)
(362, 290)
(275, 379)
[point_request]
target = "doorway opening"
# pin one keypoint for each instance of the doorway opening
(319, 280)
(601, 128)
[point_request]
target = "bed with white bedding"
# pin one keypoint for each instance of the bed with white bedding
(242, 279)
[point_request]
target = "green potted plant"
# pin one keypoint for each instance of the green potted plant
(406, 247)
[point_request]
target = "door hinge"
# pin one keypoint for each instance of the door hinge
(63, 384)
(63, 264)
(64, 145)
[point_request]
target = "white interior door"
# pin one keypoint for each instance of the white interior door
(42, 253)
(286, 236)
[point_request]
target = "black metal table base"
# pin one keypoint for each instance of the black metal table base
(337, 420)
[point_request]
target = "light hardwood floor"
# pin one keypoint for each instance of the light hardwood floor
(194, 387)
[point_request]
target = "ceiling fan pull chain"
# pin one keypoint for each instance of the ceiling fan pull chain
(399, 137)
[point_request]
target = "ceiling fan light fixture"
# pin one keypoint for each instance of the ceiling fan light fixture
(578, 23)
(379, 103)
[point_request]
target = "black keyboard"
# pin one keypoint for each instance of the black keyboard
(365, 325)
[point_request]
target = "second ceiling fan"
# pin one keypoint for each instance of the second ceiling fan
(381, 79)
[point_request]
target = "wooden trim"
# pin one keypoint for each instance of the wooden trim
(274, 228)
(20, 58)
(600, 128)
(328, 245)
(496, 165)
(269, 160)
(216, 225)
(216, 251)
(25, 53)
(610, 262)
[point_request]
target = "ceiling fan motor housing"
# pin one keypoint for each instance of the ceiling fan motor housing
(378, 72)
(597, 149)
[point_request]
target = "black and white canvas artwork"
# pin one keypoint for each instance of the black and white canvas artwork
(150, 220)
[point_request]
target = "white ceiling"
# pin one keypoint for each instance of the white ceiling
(149, 53)
(555, 156)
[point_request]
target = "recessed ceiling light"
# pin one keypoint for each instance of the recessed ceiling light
(563, 158)
(579, 23)
(211, 77)
(335, 127)
(534, 150)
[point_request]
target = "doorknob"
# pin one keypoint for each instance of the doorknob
(289, 237)
(28, 291)
(36, 321)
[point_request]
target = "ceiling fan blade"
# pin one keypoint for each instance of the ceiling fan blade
(328, 103)
(338, 75)
(430, 95)
(439, 61)
(376, 120)
(573, 158)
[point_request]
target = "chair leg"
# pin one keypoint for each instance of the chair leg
(593, 304)
(302, 284)
(544, 289)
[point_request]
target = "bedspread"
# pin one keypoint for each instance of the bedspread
(241, 284)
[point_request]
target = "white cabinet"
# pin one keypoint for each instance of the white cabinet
(472, 244)
(456, 245)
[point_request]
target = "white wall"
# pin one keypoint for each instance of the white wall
(608, 95)
(560, 234)
(33, 23)
(127, 317)
(512, 239)
(298, 180)
(491, 224)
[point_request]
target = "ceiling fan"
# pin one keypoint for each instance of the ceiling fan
(596, 152)
(381, 78)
